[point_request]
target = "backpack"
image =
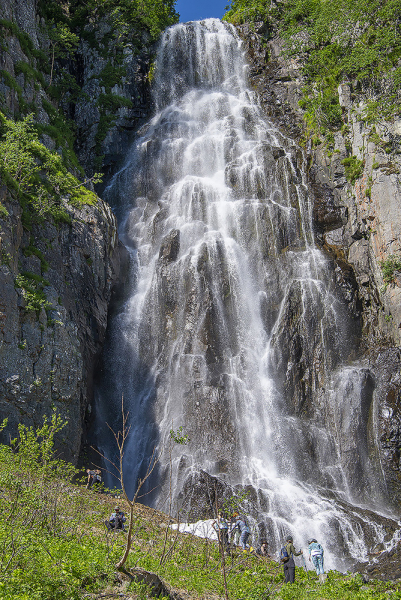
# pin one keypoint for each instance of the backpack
(284, 556)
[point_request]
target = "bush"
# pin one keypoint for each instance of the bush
(36, 173)
(353, 168)
(48, 549)
(389, 267)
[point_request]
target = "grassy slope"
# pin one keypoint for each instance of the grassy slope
(61, 550)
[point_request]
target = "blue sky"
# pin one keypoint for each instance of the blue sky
(194, 10)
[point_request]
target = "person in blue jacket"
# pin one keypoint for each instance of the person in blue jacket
(244, 530)
(316, 553)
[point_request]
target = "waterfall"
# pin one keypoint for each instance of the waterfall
(231, 325)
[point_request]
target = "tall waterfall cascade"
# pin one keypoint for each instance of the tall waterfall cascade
(231, 324)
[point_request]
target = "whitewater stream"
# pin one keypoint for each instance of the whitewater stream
(230, 324)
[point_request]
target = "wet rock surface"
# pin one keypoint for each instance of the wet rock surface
(359, 226)
(384, 565)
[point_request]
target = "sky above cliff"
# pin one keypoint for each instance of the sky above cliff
(194, 10)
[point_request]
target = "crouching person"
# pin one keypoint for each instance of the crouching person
(117, 520)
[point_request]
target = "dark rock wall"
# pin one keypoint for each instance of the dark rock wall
(101, 145)
(48, 356)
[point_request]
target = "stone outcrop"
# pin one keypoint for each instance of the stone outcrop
(115, 99)
(48, 354)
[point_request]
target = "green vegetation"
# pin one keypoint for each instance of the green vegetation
(125, 17)
(389, 267)
(49, 551)
(32, 289)
(3, 211)
(29, 72)
(152, 16)
(32, 250)
(335, 42)
(244, 11)
(25, 41)
(55, 546)
(38, 175)
(353, 168)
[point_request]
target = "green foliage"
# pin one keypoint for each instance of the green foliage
(337, 41)
(29, 72)
(322, 110)
(3, 211)
(353, 168)
(25, 41)
(389, 267)
(111, 75)
(32, 289)
(112, 102)
(126, 17)
(55, 547)
(234, 503)
(178, 437)
(62, 40)
(153, 15)
(32, 250)
(49, 549)
(38, 174)
(341, 40)
(10, 82)
(243, 11)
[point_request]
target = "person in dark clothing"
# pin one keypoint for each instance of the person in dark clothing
(94, 476)
(289, 564)
(91, 478)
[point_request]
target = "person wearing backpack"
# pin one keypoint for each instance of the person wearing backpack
(316, 553)
(287, 554)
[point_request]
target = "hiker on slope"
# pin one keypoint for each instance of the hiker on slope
(234, 532)
(244, 530)
(220, 525)
(94, 476)
(287, 558)
(316, 554)
(117, 520)
(263, 550)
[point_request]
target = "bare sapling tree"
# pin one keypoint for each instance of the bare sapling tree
(176, 437)
(120, 438)
(222, 543)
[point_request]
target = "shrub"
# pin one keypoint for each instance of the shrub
(353, 168)
(389, 267)
(38, 174)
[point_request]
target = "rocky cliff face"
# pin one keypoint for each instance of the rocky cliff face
(48, 353)
(115, 98)
(358, 224)
(56, 278)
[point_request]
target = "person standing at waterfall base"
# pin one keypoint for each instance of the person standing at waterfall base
(220, 525)
(289, 564)
(244, 530)
(316, 554)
